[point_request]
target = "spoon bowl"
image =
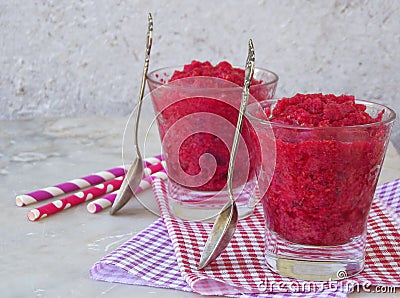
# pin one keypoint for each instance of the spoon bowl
(221, 234)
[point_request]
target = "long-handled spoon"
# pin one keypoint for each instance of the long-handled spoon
(226, 221)
(135, 172)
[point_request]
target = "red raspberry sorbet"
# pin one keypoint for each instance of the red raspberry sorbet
(198, 144)
(223, 70)
(325, 177)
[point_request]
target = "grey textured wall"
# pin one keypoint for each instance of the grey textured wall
(71, 57)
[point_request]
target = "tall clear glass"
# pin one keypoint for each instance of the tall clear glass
(196, 119)
(317, 203)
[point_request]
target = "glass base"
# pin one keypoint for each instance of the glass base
(206, 205)
(317, 263)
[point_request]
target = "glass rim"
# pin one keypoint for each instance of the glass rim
(391, 118)
(274, 80)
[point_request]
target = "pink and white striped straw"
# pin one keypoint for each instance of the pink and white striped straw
(75, 199)
(78, 184)
(107, 201)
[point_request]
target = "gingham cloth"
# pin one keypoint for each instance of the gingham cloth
(166, 255)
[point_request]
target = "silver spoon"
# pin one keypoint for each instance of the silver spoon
(135, 172)
(226, 221)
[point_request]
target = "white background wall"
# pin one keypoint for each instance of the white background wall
(74, 57)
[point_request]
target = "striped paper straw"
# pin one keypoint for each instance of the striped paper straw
(75, 199)
(148, 170)
(107, 201)
(78, 184)
(153, 160)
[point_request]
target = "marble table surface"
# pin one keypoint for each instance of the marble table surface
(52, 257)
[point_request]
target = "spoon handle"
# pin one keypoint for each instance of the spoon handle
(135, 172)
(249, 71)
(149, 42)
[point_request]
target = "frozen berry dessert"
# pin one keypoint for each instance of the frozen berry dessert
(208, 141)
(328, 155)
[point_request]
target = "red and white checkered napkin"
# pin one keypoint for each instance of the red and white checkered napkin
(167, 257)
(241, 267)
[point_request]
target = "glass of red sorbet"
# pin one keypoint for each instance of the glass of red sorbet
(329, 153)
(196, 108)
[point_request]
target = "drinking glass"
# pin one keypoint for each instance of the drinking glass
(196, 118)
(318, 195)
